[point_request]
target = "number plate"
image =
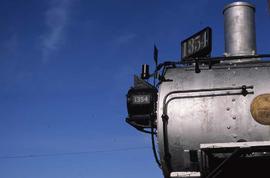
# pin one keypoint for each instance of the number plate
(198, 45)
(141, 99)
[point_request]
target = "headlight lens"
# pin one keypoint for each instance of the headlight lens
(141, 105)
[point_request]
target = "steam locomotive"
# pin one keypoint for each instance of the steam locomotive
(210, 115)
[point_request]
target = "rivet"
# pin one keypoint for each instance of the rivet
(234, 117)
(233, 100)
(227, 108)
(234, 136)
(256, 68)
(228, 127)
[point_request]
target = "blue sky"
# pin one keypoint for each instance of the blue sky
(65, 67)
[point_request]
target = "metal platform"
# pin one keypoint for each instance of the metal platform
(219, 146)
(185, 175)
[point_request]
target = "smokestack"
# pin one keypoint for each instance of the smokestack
(239, 28)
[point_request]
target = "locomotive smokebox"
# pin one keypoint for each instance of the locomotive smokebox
(239, 29)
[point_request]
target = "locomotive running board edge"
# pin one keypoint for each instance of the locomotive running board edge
(216, 146)
(185, 174)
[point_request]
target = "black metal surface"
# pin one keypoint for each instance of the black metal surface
(154, 144)
(236, 153)
(237, 162)
(167, 155)
(197, 67)
(145, 72)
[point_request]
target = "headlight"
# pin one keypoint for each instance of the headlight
(141, 106)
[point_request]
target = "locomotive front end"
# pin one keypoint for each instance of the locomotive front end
(212, 114)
